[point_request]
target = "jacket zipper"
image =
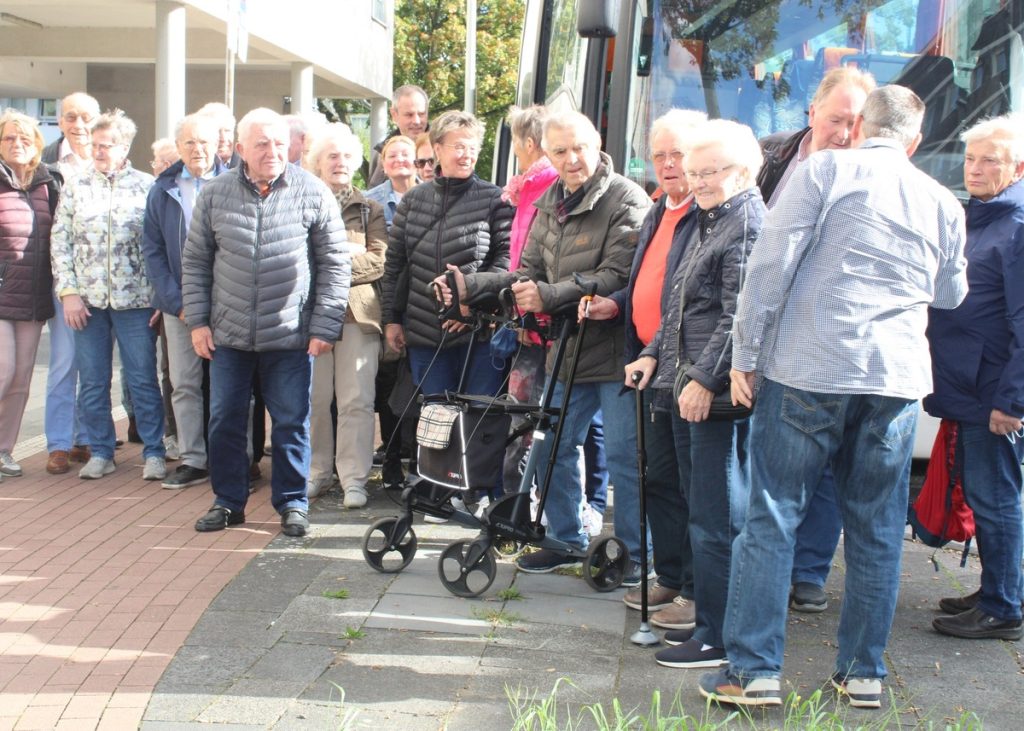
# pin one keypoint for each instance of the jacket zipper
(37, 255)
(110, 241)
(255, 265)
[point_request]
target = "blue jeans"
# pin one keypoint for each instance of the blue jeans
(94, 352)
(594, 457)
(992, 489)
(715, 464)
(285, 377)
(868, 441)
(564, 506)
(818, 536)
(482, 377)
(62, 397)
(666, 437)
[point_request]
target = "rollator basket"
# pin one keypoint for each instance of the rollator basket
(461, 444)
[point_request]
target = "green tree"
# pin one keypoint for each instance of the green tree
(430, 50)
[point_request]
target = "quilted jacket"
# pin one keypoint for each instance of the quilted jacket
(25, 220)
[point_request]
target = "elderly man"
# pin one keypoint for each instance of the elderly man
(833, 314)
(169, 208)
(302, 128)
(265, 277)
(225, 119)
(978, 367)
(837, 101)
(66, 440)
(588, 223)
(409, 113)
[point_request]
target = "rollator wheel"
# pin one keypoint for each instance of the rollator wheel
(606, 565)
(389, 545)
(467, 568)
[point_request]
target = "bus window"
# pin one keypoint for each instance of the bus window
(566, 61)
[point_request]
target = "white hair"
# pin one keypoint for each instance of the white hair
(196, 121)
(1006, 132)
(736, 141)
(339, 134)
(579, 123)
(263, 117)
(677, 121)
(219, 111)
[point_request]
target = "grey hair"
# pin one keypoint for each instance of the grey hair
(528, 123)
(338, 133)
(736, 141)
(677, 121)
(81, 99)
(116, 121)
(163, 145)
(580, 123)
(196, 120)
(260, 116)
(456, 120)
(1005, 132)
(408, 90)
(894, 112)
(219, 111)
(843, 76)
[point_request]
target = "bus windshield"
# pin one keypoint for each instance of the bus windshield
(759, 62)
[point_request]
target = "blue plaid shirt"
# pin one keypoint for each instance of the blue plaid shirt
(857, 247)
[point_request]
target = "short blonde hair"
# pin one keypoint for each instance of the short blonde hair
(455, 120)
(339, 134)
(28, 126)
(1005, 132)
(401, 140)
(737, 142)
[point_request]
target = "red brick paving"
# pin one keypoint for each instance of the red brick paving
(100, 583)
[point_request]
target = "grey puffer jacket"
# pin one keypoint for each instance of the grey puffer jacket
(704, 291)
(266, 273)
(597, 241)
(445, 221)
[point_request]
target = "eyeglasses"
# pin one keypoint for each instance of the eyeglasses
(423, 162)
(14, 139)
(692, 175)
(106, 146)
(72, 116)
(192, 144)
(676, 156)
(462, 149)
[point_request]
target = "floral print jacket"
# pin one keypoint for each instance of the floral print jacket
(96, 241)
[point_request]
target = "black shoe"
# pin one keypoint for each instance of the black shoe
(219, 518)
(391, 474)
(545, 561)
(678, 636)
(632, 577)
(691, 654)
(959, 604)
(294, 523)
(133, 431)
(378, 456)
(974, 624)
(808, 597)
(185, 476)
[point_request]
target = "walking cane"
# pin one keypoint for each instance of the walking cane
(643, 636)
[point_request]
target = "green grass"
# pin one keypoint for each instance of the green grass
(532, 711)
(336, 593)
(510, 594)
(497, 617)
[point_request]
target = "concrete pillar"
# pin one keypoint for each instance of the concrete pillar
(302, 88)
(170, 66)
(378, 120)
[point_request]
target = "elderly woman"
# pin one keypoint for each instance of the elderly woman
(347, 372)
(692, 345)
(978, 371)
(100, 277)
(28, 197)
(425, 159)
(455, 219)
(165, 154)
(397, 157)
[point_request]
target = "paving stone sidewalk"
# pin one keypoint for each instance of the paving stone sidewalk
(274, 651)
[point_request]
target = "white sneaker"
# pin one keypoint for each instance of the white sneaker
(96, 468)
(154, 469)
(316, 486)
(355, 496)
(481, 507)
(593, 521)
(8, 466)
(171, 451)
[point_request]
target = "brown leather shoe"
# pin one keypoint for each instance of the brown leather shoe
(58, 464)
(80, 453)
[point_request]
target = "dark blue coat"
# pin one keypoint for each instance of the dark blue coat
(163, 238)
(624, 297)
(978, 348)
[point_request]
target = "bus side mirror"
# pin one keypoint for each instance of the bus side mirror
(597, 18)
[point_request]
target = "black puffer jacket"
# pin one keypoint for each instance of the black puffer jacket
(778, 149)
(708, 279)
(445, 221)
(26, 291)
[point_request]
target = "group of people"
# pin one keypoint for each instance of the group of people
(816, 278)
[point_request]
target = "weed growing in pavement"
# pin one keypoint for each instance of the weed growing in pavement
(353, 633)
(497, 617)
(510, 594)
(336, 593)
(346, 716)
(532, 711)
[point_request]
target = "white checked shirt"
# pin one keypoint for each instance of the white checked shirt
(857, 247)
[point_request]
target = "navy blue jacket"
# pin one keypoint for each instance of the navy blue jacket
(624, 297)
(978, 348)
(163, 238)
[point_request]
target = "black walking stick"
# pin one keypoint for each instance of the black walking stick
(643, 636)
